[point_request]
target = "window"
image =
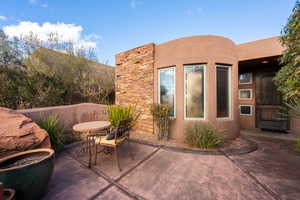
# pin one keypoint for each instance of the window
(223, 91)
(245, 78)
(245, 94)
(194, 91)
(245, 109)
(166, 89)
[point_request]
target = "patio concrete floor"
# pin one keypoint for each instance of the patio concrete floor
(271, 172)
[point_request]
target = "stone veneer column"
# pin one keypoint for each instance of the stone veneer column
(134, 83)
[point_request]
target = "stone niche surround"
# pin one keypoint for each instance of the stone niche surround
(134, 79)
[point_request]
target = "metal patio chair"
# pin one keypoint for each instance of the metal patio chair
(118, 136)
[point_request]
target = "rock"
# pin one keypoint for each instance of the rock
(19, 133)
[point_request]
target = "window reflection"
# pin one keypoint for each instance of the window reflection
(245, 78)
(167, 88)
(194, 91)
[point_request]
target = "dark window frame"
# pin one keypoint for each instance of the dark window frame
(229, 91)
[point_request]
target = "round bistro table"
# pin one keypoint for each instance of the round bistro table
(89, 128)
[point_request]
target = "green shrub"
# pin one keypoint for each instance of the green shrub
(34, 73)
(203, 136)
(160, 113)
(117, 113)
(297, 146)
(55, 130)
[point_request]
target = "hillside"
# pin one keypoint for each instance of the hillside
(50, 62)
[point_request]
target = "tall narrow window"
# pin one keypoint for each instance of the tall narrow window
(166, 89)
(223, 91)
(194, 91)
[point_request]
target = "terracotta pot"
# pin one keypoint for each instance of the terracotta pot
(28, 172)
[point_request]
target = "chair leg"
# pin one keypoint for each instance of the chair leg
(130, 150)
(96, 152)
(117, 159)
(90, 153)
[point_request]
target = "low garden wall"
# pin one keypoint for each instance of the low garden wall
(69, 114)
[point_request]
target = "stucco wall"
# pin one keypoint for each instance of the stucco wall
(260, 49)
(134, 83)
(208, 50)
(70, 114)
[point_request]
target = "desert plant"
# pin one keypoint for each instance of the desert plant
(55, 130)
(203, 136)
(35, 73)
(297, 146)
(117, 113)
(160, 113)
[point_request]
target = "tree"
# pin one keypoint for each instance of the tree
(10, 54)
(11, 75)
(288, 77)
(37, 73)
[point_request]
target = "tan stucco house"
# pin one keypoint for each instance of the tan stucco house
(205, 79)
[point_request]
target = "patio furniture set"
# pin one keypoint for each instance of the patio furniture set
(100, 137)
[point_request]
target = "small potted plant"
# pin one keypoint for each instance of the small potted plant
(160, 113)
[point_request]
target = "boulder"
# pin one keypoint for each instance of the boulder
(20, 133)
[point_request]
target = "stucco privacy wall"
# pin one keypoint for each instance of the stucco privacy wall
(70, 114)
(134, 83)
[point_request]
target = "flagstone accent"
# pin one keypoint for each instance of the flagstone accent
(134, 83)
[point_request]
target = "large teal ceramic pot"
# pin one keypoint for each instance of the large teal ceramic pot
(28, 172)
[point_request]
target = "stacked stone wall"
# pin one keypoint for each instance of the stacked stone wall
(134, 79)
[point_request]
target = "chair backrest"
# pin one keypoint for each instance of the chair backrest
(123, 127)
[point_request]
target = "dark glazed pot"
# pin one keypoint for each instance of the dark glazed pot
(28, 172)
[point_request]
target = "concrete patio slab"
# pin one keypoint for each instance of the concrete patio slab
(113, 193)
(272, 172)
(71, 180)
(275, 165)
(106, 163)
(172, 175)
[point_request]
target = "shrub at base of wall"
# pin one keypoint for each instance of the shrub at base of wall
(203, 136)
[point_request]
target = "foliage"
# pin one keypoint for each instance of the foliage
(297, 146)
(9, 54)
(118, 113)
(11, 80)
(293, 108)
(34, 73)
(55, 130)
(288, 77)
(202, 136)
(160, 113)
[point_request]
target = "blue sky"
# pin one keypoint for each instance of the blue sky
(118, 25)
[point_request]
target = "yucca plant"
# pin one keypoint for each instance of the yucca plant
(203, 136)
(160, 114)
(117, 113)
(55, 130)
